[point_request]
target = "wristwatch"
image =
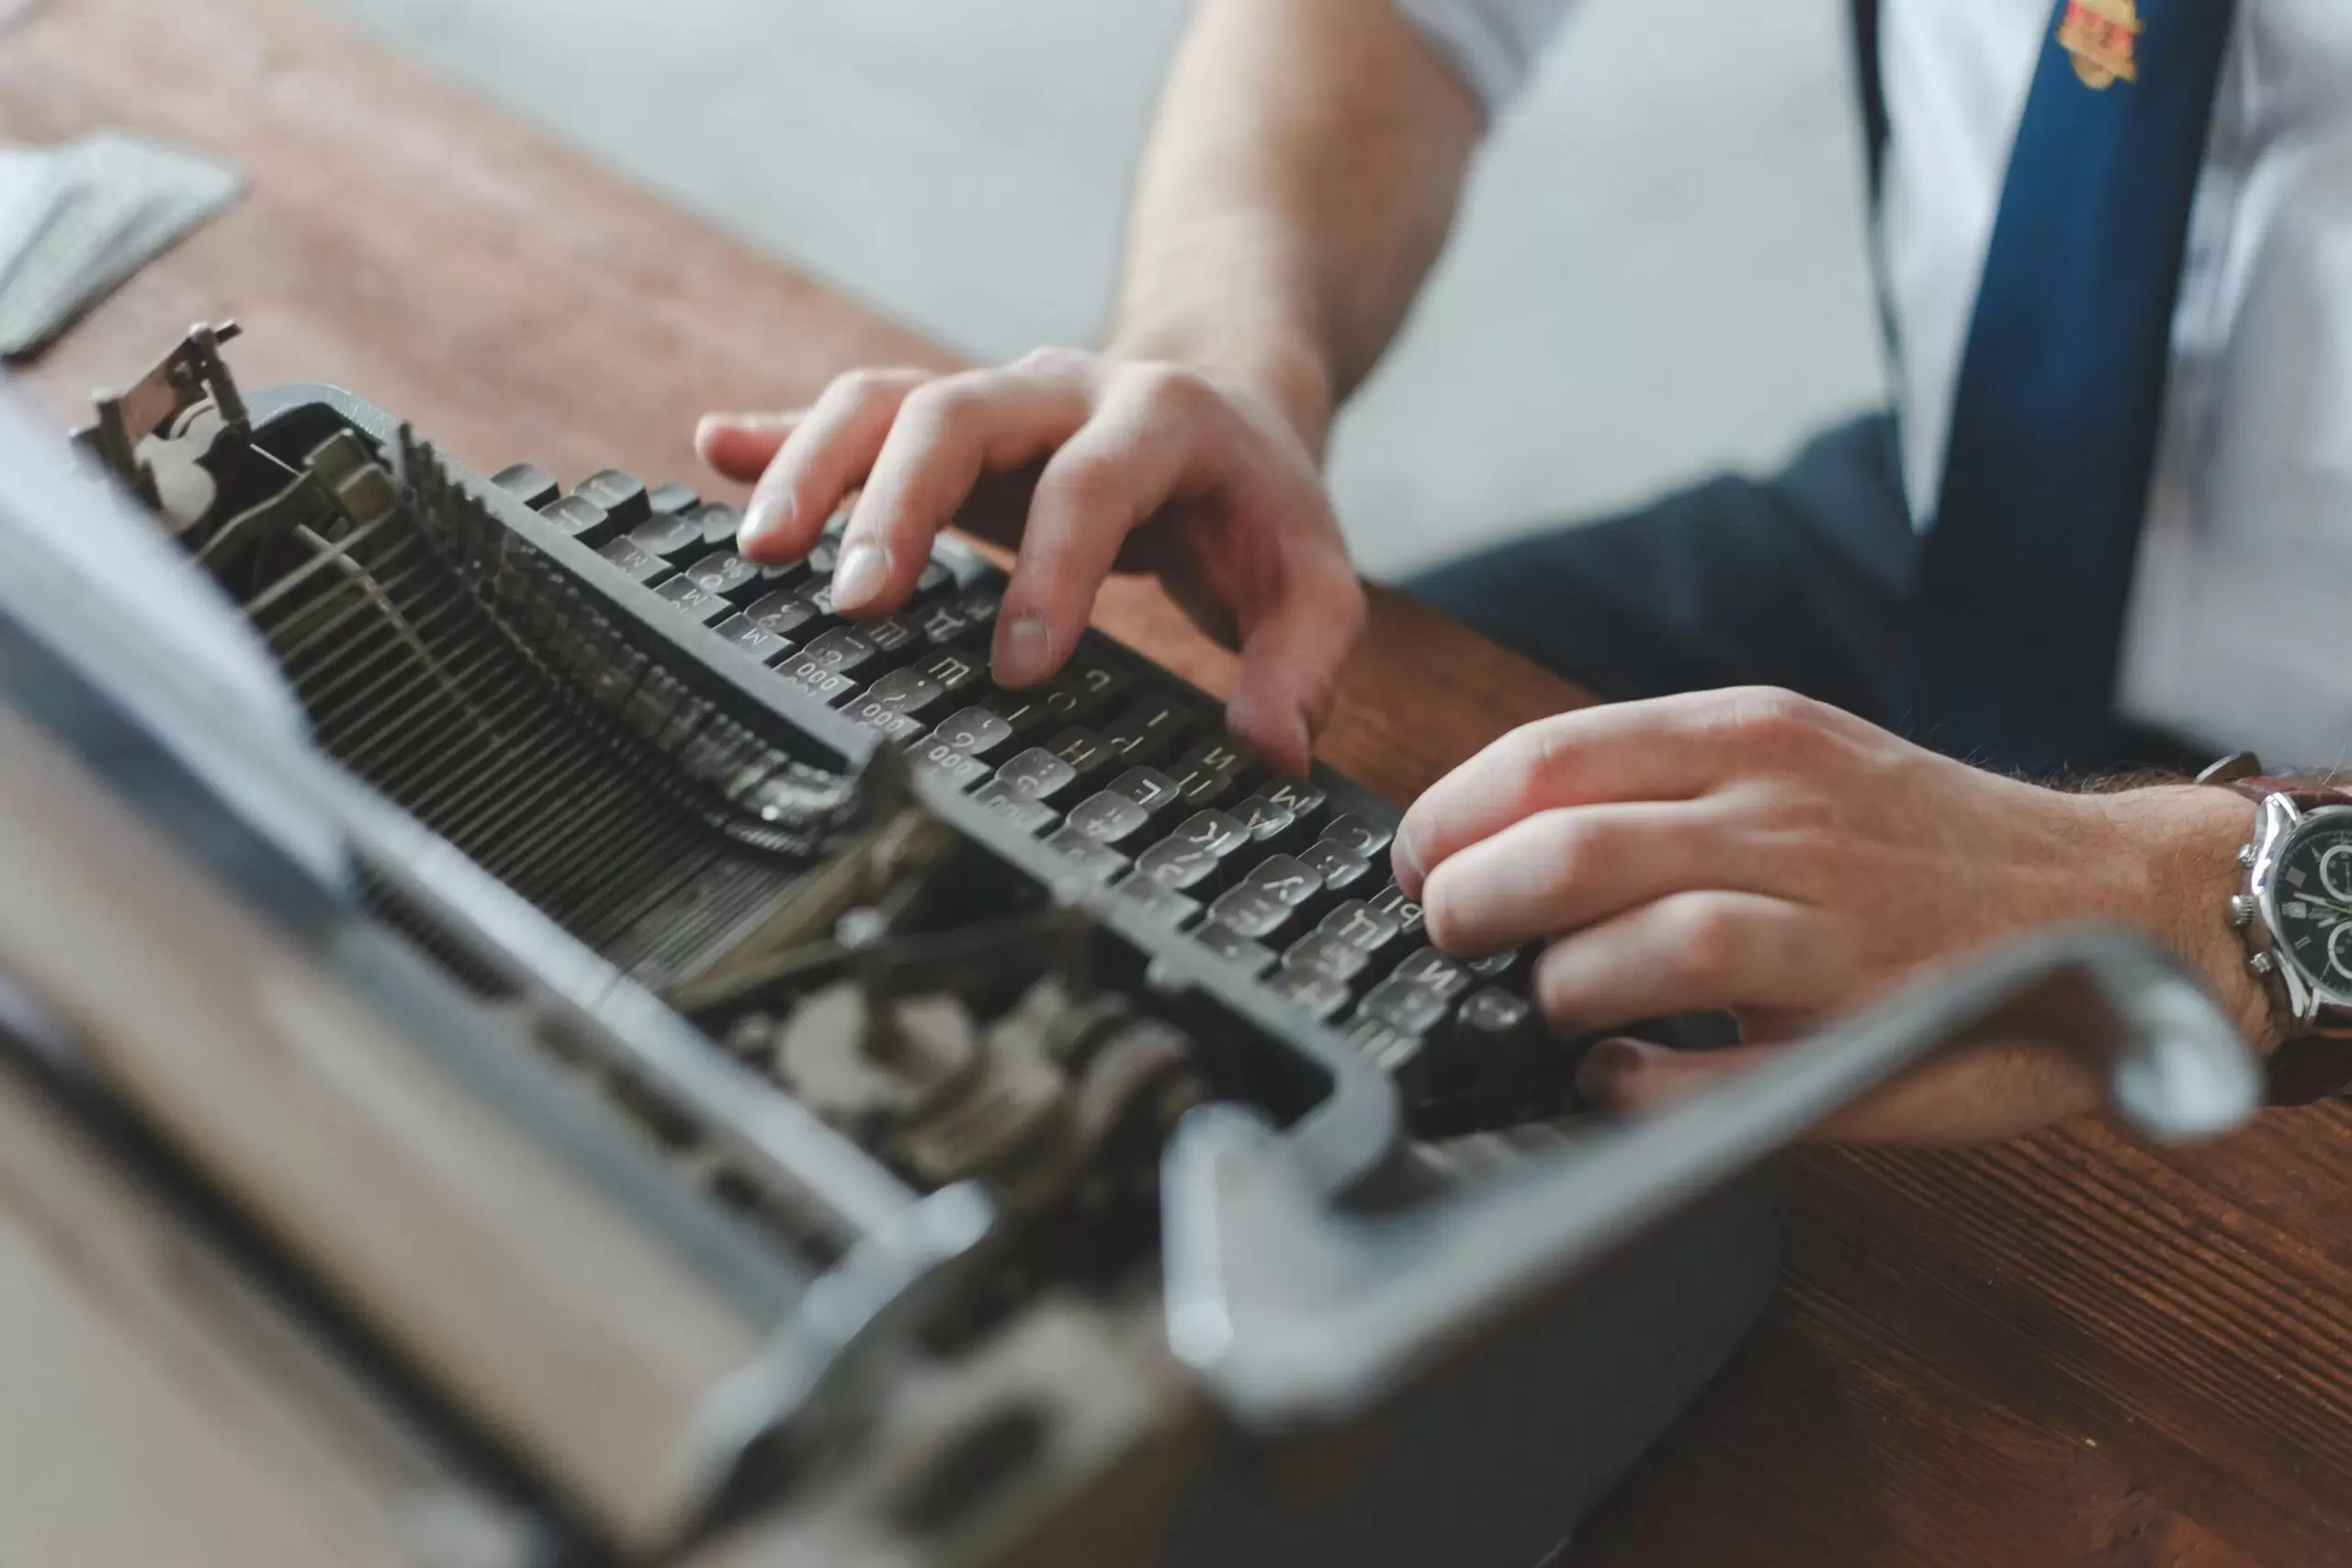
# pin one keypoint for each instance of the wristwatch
(2295, 916)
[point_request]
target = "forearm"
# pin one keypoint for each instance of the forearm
(1297, 190)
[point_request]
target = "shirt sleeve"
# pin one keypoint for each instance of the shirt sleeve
(1493, 43)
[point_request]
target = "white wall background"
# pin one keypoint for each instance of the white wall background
(1660, 270)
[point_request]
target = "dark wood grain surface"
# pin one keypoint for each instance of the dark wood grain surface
(2072, 1349)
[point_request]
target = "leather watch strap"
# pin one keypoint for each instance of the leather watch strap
(2312, 1067)
(2307, 795)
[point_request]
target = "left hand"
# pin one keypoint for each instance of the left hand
(1757, 851)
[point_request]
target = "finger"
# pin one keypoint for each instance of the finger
(829, 451)
(741, 445)
(2001, 1090)
(1291, 661)
(949, 433)
(1562, 870)
(1114, 472)
(1663, 749)
(1687, 952)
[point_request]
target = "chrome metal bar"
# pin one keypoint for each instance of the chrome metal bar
(1295, 1313)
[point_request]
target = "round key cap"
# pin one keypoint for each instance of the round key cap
(1109, 819)
(1436, 972)
(1036, 775)
(1497, 965)
(1230, 946)
(907, 691)
(892, 638)
(727, 574)
(1084, 750)
(1094, 863)
(1399, 1004)
(841, 649)
(1361, 926)
(1251, 912)
(1302, 798)
(1149, 729)
(955, 669)
(1163, 906)
(1286, 878)
(755, 639)
(1353, 833)
(641, 567)
(976, 732)
(1322, 994)
(1031, 816)
(683, 596)
(1187, 867)
(943, 624)
(902, 727)
(1341, 871)
(670, 497)
(622, 495)
(823, 682)
(1326, 956)
(578, 518)
(785, 613)
(528, 483)
(1148, 787)
(1496, 1043)
(1494, 1013)
(721, 523)
(1096, 687)
(675, 539)
(958, 768)
(1391, 900)
(1213, 832)
(1265, 822)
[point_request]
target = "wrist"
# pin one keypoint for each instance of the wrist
(2188, 838)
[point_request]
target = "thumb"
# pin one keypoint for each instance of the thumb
(741, 445)
(1291, 659)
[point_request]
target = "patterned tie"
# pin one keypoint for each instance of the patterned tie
(2023, 578)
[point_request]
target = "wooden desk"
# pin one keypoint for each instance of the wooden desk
(2066, 1350)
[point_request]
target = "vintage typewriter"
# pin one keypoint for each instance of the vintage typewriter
(658, 1073)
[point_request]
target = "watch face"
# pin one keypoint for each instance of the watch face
(2314, 890)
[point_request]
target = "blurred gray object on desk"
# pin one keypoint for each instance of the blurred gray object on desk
(77, 220)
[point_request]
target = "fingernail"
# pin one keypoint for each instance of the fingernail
(1407, 864)
(1028, 650)
(862, 573)
(767, 514)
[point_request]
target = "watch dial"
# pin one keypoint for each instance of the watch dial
(2314, 888)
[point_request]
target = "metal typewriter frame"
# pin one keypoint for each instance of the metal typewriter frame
(1294, 1301)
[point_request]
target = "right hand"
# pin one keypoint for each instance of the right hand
(1146, 466)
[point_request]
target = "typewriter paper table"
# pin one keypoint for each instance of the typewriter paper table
(2069, 1349)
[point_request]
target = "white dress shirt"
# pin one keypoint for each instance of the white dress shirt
(2239, 627)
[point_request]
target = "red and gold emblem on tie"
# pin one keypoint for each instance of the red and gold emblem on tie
(2103, 36)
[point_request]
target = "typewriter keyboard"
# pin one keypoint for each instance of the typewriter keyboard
(1127, 774)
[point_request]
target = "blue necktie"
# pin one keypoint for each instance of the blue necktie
(2024, 575)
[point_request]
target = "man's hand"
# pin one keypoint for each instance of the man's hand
(1145, 466)
(1757, 851)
